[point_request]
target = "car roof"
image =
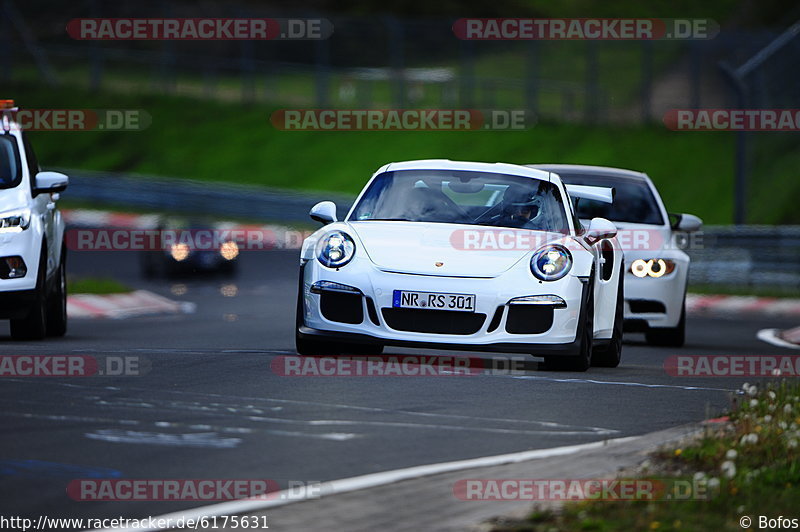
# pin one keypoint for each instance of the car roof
(447, 164)
(590, 170)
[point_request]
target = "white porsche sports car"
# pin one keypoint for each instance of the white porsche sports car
(461, 255)
(656, 281)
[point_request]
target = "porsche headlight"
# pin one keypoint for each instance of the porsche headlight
(551, 263)
(652, 268)
(14, 222)
(336, 249)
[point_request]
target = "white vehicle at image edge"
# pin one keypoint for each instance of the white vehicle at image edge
(657, 273)
(33, 293)
(461, 255)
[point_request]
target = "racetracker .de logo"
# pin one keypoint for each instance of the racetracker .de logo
(199, 29)
(584, 29)
(396, 366)
(72, 366)
(525, 240)
(732, 366)
(76, 120)
(402, 119)
(231, 240)
(596, 489)
(86, 489)
(733, 119)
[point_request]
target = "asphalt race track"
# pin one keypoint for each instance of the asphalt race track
(210, 406)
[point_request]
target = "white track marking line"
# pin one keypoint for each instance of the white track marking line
(335, 405)
(335, 487)
(771, 337)
(624, 383)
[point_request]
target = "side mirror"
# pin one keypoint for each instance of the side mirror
(600, 229)
(323, 212)
(50, 182)
(687, 222)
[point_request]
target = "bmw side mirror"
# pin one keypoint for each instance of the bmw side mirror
(600, 229)
(50, 182)
(323, 212)
(687, 223)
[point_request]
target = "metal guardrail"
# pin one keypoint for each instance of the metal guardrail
(226, 200)
(750, 255)
(758, 256)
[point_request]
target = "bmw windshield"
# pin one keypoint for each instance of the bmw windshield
(463, 197)
(633, 200)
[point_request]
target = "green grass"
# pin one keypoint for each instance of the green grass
(223, 142)
(95, 285)
(759, 478)
(744, 290)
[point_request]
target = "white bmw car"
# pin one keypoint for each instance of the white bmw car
(461, 255)
(656, 278)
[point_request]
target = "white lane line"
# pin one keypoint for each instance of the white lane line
(771, 336)
(625, 383)
(316, 405)
(335, 487)
(197, 439)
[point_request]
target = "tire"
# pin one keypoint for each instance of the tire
(57, 301)
(669, 336)
(583, 360)
(34, 325)
(609, 356)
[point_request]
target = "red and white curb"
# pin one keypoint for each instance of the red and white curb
(118, 306)
(771, 306)
(789, 338)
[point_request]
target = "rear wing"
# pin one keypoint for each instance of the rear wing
(604, 194)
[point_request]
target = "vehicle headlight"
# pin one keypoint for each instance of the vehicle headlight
(551, 263)
(336, 250)
(14, 222)
(653, 268)
(229, 250)
(179, 251)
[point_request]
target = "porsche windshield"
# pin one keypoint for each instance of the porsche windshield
(463, 197)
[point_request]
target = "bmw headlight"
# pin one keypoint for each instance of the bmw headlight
(14, 222)
(551, 263)
(336, 249)
(652, 268)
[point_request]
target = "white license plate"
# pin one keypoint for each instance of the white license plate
(434, 300)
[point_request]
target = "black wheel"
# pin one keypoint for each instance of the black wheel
(583, 359)
(669, 336)
(609, 356)
(34, 325)
(57, 301)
